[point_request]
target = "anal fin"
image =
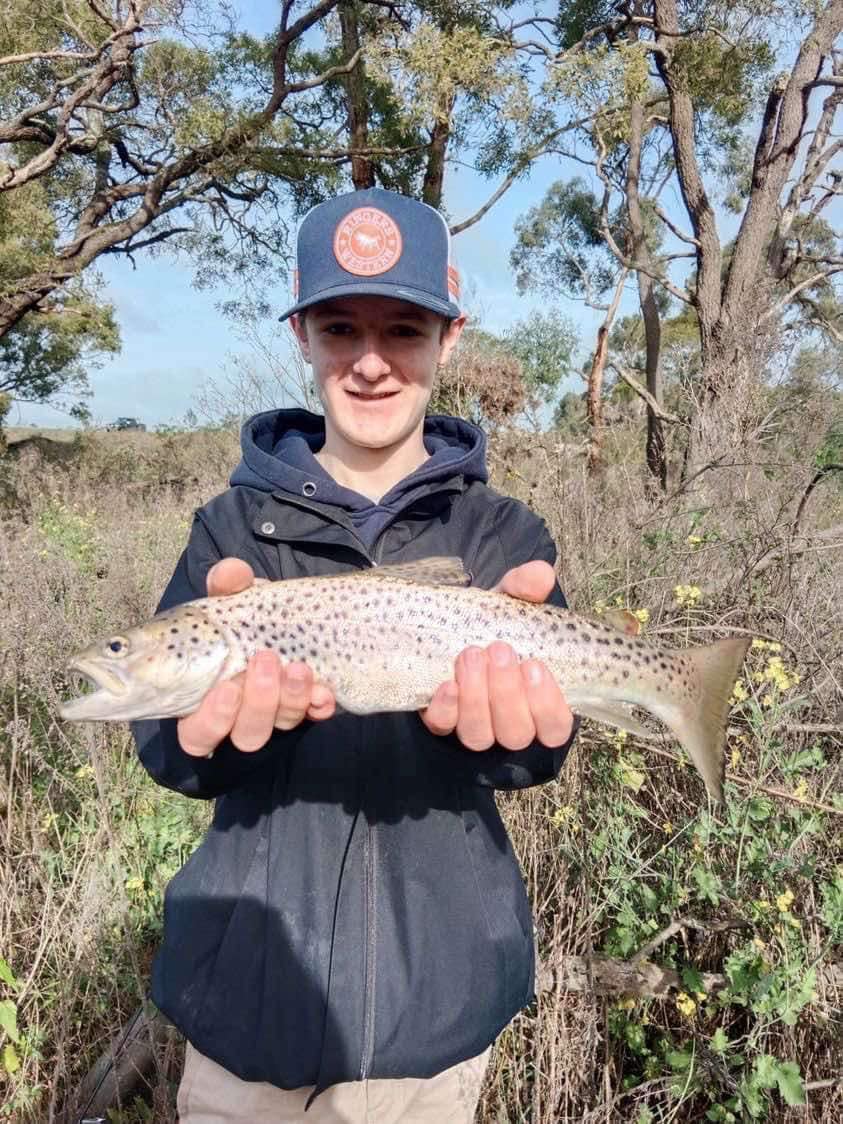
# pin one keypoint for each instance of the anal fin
(611, 713)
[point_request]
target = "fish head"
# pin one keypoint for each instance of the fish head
(161, 669)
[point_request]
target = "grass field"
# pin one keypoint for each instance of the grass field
(740, 907)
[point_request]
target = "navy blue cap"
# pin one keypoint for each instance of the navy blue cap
(376, 243)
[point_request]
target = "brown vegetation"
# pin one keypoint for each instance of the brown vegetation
(621, 856)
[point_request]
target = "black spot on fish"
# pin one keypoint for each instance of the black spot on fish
(625, 674)
(586, 637)
(261, 628)
(603, 640)
(620, 640)
(170, 647)
(571, 627)
(194, 640)
(174, 630)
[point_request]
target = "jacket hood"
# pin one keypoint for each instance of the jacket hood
(278, 455)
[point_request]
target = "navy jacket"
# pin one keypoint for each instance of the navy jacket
(356, 909)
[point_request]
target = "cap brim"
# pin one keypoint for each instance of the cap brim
(396, 292)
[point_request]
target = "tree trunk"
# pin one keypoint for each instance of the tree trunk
(656, 461)
(435, 171)
(362, 171)
(594, 399)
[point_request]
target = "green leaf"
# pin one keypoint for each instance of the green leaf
(679, 1060)
(692, 979)
(9, 1019)
(708, 884)
(766, 1071)
(720, 1041)
(790, 1083)
(7, 975)
(11, 1061)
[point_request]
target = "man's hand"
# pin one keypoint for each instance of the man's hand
(266, 696)
(495, 699)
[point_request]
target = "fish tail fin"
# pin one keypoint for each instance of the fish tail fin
(700, 727)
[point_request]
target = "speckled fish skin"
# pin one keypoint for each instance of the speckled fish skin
(385, 639)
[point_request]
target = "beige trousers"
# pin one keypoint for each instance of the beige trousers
(209, 1094)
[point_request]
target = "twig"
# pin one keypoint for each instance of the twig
(679, 926)
(749, 782)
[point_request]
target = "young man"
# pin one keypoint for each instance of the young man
(353, 932)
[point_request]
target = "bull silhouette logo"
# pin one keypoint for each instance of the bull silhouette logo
(367, 242)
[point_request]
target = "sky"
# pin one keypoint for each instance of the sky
(175, 341)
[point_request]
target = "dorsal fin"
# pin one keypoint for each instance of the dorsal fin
(621, 620)
(426, 571)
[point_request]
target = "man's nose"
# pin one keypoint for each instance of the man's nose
(370, 363)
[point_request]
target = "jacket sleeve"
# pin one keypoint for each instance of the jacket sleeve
(523, 538)
(157, 740)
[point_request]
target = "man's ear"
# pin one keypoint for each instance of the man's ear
(298, 326)
(449, 339)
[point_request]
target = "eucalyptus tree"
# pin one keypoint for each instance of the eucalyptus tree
(719, 107)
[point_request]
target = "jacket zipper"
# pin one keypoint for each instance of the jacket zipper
(370, 869)
(370, 861)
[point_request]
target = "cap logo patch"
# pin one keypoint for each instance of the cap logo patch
(367, 242)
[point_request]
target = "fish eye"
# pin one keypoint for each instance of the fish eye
(117, 646)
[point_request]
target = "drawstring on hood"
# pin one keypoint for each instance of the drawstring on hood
(278, 455)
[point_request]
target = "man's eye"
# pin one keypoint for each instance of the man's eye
(406, 331)
(338, 329)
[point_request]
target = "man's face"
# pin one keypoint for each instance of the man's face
(374, 360)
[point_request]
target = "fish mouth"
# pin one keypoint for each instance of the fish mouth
(95, 687)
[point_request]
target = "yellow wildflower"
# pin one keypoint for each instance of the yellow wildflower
(643, 615)
(801, 790)
(686, 596)
(739, 692)
(627, 1004)
(134, 885)
(562, 815)
(762, 903)
(757, 642)
(83, 772)
(694, 540)
(685, 1005)
(667, 827)
(784, 901)
(734, 760)
(759, 944)
(768, 700)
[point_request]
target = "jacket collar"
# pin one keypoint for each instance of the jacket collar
(282, 517)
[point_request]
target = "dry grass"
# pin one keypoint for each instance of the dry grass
(609, 852)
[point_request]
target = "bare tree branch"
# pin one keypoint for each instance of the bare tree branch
(642, 391)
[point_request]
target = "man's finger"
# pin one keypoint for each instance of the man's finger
(296, 687)
(531, 582)
(440, 716)
(229, 575)
(511, 718)
(322, 702)
(552, 716)
(200, 733)
(474, 724)
(261, 691)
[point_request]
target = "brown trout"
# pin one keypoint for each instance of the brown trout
(386, 638)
